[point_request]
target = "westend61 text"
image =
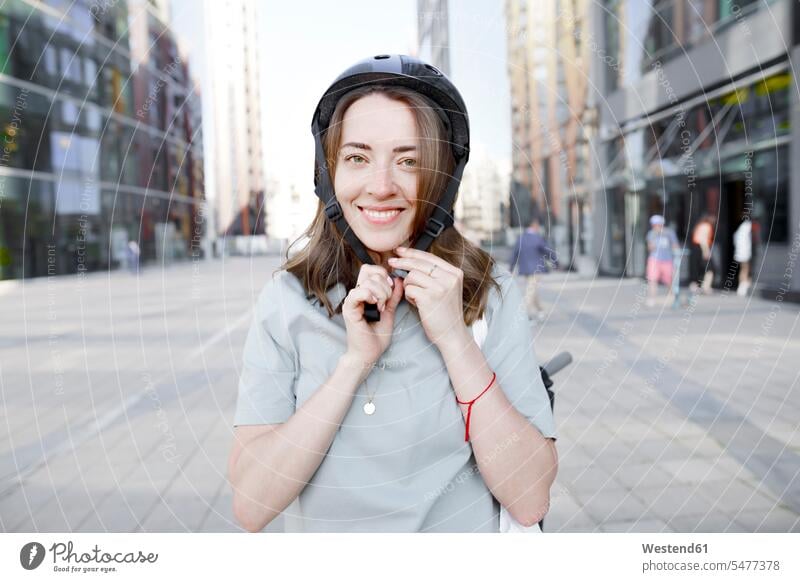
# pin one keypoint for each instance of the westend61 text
(670, 549)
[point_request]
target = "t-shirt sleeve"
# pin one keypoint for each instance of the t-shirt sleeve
(508, 349)
(673, 238)
(266, 384)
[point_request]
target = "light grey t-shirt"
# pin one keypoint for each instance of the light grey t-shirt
(406, 468)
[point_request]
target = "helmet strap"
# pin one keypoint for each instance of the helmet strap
(442, 217)
(333, 210)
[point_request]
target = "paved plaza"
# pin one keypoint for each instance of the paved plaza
(118, 394)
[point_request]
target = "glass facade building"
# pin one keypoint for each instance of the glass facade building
(698, 120)
(99, 147)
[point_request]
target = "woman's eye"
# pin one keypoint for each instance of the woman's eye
(356, 159)
(409, 163)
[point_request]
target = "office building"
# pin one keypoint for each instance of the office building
(102, 140)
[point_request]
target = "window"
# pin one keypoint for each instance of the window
(696, 19)
(613, 60)
(771, 195)
(660, 30)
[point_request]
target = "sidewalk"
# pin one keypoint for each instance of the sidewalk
(672, 420)
(119, 393)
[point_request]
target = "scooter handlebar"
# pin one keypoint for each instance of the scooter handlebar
(558, 362)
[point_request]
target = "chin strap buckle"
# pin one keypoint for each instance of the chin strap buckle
(434, 227)
(333, 210)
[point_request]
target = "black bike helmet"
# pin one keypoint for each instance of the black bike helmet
(418, 76)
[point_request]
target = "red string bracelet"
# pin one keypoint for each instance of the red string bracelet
(471, 402)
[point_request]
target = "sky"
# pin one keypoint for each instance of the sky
(305, 45)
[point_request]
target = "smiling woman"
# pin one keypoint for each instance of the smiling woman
(376, 169)
(434, 444)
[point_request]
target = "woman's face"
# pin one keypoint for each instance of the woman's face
(376, 171)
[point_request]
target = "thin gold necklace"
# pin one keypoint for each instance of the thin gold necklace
(369, 405)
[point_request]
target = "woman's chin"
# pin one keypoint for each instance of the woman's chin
(383, 244)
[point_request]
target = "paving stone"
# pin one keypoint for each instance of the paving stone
(736, 493)
(773, 520)
(21, 504)
(584, 478)
(700, 470)
(63, 512)
(672, 500)
(573, 456)
(633, 476)
(636, 526)
(711, 523)
(611, 505)
(567, 515)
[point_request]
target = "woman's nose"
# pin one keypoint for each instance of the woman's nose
(381, 182)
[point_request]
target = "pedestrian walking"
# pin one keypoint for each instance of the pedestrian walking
(702, 261)
(531, 256)
(661, 244)
(350, 419)
(133, 254)
(743, 254)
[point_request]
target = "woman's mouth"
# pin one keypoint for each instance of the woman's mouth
(385, 216)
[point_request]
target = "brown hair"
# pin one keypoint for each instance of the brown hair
(327, 259)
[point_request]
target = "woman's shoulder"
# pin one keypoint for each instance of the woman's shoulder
(504, 306)
(504, 279)
(501, 274)
(281, 293)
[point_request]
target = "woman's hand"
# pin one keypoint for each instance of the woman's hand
(366, 342)
(435, 287)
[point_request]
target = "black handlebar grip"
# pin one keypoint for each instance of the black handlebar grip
(558, 362)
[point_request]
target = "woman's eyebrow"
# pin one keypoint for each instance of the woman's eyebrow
(366, 147)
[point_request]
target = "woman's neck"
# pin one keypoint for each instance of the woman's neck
(381, 259)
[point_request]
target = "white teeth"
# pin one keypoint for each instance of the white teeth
(384, 214)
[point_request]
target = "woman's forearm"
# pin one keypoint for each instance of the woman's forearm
(274, 468)
(516, 461)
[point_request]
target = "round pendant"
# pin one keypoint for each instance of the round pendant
(369, 408)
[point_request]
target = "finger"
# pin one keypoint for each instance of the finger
(408, 253)
(352, 309)
(420, 265)
(397, 296)
(420, 279)
(376, 273)
(358, 295)
(385, 283)
(369, 270)
(377, 294)
(412, 292)
(381, 289)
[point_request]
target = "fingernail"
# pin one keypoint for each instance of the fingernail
(391, 281)
(401, 248)
(393, 260)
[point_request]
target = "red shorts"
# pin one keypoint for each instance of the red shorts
(659, 271)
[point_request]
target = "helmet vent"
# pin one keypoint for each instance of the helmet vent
(434, 70)
(379, 57)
